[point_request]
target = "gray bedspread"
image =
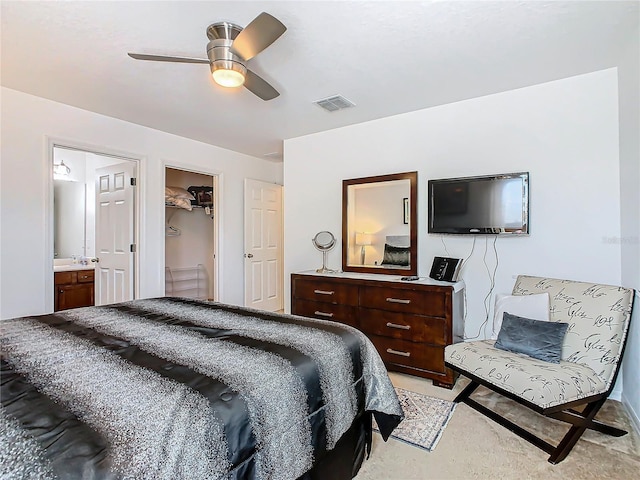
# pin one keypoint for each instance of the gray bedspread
(174, 388)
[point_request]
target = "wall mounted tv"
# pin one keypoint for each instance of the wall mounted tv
(490, 204)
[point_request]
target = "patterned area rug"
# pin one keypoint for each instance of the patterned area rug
(425, 419)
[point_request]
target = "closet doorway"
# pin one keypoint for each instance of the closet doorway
(191, 234)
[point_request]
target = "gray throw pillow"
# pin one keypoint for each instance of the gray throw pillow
(395, 255)
(535, 338)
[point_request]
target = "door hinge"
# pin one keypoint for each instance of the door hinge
(132, 248)
(133, 181)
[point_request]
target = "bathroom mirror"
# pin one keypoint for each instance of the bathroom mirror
(69, 202)
(379, 232)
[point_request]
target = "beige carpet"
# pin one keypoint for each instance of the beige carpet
(474, 447)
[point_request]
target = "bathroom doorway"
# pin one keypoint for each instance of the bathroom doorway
(94, 227)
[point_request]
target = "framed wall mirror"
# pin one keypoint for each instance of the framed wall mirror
(69, 206)
(379, 224)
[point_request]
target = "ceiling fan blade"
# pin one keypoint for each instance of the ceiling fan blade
(259, 86)
(162, 58)
(258, 35)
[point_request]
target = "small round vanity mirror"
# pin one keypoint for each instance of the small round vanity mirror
(324, 241)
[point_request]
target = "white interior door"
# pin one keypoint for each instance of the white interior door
(263, 245)
(114, 233)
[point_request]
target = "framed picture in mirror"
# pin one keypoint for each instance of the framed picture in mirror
(405, 211)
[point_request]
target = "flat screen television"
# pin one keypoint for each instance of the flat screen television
(489, 204)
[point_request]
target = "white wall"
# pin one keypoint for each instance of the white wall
(629, 80)
(27, 121)
(565, 133)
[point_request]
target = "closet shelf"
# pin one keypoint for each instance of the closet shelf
(171, 205)
(174, 208)
(190, 282)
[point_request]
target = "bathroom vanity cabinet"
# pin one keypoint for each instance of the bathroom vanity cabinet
(74, 289)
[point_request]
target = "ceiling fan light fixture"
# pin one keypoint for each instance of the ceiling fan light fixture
(228, 74)
(229, 49)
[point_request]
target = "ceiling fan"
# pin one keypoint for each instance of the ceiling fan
(229, 49)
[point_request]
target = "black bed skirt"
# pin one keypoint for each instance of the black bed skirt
(345, 460)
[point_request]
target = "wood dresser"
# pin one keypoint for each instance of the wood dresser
(410, 323)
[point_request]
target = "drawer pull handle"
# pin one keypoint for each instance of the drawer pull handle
(324, 292)
(398, 352)
(398, 300)
(401, 327)
(323, 314)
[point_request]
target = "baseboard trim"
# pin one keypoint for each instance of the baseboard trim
(616, 393)
(633, 415)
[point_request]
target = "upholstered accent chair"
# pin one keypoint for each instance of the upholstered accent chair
(572, 390)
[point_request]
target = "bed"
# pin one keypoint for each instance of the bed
(179, 388)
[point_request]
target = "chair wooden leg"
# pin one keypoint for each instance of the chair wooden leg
(567, 443)
(606, 429)
(603, 427)
(575, 432)
(468, 390)
(578, 419)
(518, 430)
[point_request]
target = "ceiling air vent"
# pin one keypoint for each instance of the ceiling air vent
(332, 104)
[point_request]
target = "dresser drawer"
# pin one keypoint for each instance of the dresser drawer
(327, 311)
(410, 354)
(325, 291)
(406, 326)
(423, 302)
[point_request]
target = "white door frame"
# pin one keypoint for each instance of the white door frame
(218, 289)
(50, 144)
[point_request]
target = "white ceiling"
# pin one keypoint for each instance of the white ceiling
(388, 57)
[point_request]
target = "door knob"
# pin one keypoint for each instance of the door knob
(95, 260)
(248, 255)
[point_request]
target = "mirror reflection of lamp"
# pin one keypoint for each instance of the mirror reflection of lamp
(363, 239)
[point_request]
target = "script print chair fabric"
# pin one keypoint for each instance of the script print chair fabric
(573, 390)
